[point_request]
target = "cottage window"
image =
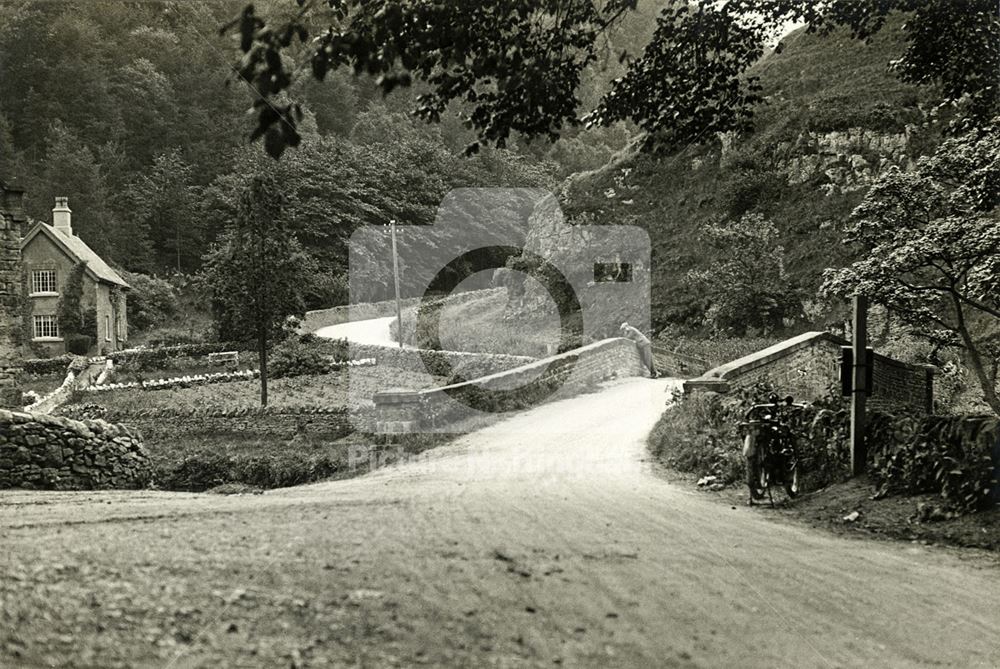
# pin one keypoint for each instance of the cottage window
(43, 281)
(46, 327)
(107, 327)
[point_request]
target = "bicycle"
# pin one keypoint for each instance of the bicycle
(769, 448)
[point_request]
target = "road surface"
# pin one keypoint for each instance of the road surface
(371, 331)
(543, 541)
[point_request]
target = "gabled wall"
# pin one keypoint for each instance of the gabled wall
(40, 253)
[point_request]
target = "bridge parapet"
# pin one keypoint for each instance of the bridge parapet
(807, 366)
(565, 375)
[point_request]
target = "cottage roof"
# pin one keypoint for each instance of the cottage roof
(77, 249)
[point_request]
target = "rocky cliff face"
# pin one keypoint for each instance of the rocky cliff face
(849, 160)
(833, 121)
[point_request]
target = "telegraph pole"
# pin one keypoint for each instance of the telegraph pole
(860, 390)
(395, 277)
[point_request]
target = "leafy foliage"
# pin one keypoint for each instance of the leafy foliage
(257, 273)
(953, 456)
(299, 355)
(930, 241)
(70, 311)
(152, 301)
(517, 66)
(699, 433)
(747, 287)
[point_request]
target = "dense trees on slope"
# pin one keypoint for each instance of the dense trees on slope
(125, 110)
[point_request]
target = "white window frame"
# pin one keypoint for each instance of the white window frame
(107, 327)
(45, 327)
(44, 282)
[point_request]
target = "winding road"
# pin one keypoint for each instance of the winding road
(372, 331)
(545, 540)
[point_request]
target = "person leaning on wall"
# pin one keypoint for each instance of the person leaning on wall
(644, 346)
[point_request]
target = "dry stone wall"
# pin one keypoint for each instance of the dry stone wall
(161, 425)
(56, 453)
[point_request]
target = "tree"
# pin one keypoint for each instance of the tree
(517, 66)
(257, 272)
(747, 286)
(71, 170)
(163, 201)
(930, 246)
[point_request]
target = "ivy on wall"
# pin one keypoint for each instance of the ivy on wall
(69, 310)
(117, 298)
(78, 326)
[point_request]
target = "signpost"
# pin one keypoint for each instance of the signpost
(860, 389)
(395, 277)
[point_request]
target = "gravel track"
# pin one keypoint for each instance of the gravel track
(545, 540)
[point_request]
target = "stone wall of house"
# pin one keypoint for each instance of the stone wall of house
(57, 453)
(162, 425)
(557, 377)
(808, 368)
(11, 294)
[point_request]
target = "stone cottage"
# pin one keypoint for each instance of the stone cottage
(49, 254)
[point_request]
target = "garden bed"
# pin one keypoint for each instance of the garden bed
(336, 389)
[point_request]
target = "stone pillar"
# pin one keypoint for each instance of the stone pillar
(11, 219)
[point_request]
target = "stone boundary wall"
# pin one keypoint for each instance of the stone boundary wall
(38, 451)
(468, 364)
(569, 373)
(56, 398)
(808, 365)
(900, 385)
(161, 425)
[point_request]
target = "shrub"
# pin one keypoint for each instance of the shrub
(951, 456)
(78, 344)
(142, 359)
(151, 301)
(297, 356)
(700, 434)
(45, 366)
(276, 469)
(176, 337)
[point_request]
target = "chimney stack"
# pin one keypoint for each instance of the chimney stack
(61, 216)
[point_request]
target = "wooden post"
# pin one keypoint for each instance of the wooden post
(395, 276)
(859, 451)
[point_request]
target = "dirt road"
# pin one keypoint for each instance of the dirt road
(542, 541)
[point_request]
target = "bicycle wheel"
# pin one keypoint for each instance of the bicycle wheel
(754, 476)
(791, 477)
